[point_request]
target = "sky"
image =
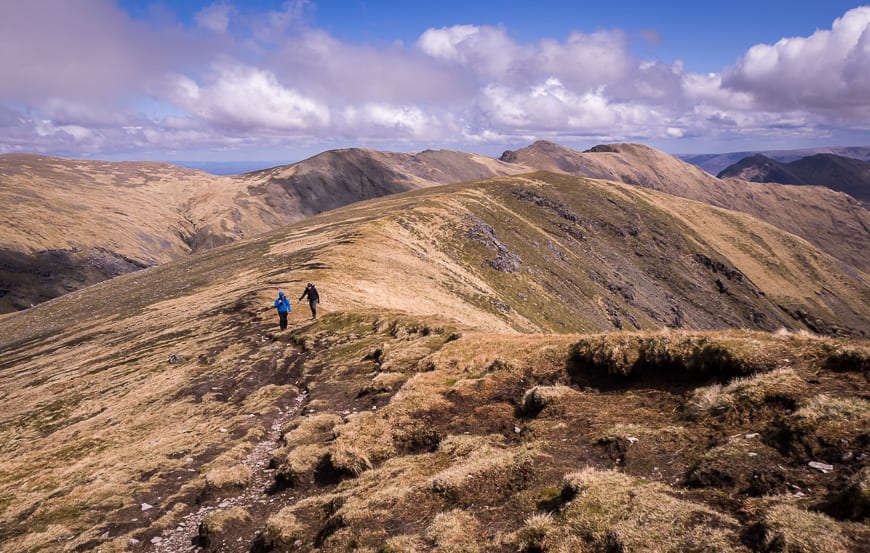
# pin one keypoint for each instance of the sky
(279, 80)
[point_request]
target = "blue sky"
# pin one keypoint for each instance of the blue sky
(280, 80)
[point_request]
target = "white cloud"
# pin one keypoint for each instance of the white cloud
(249, 98)
(85, 77)
(827, 71)
(375, 119)
(444, 43)
(215, 17)
(551, 107)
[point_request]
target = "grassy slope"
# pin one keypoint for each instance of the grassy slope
(832, 221)
(96, 421)
(79, 222)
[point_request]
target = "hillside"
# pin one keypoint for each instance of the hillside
(716, 163)
(78, 222)
(449, 397)
(834, 222)
(844, 174)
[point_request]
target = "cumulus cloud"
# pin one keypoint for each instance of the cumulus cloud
(384, 120)
(826, 71)
(85, 77)
(491, 54)
(249, 98)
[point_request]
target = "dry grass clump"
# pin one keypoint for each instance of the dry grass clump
(310, 429)
(350, 459)
(480, 353)
(217, 523)
(720, 354)
(609, 510)
(849, 357)
(482, 471)
(283, 531)
(789, 529)
(541, 532)
(403, 544)
(299, 463)
(553, 399)
(227, 479)
(747, 393)
(454, 532)
(365, 439)
(826, 426)
(742, 465)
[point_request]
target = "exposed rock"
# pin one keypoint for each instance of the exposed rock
(718, 267)
(505, 260)
(821, 467)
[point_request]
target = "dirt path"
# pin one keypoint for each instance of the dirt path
(182, 539)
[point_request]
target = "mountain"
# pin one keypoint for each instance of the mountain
(716, 163)
(833, 221)
(758, 168)
(78, 222)
(341, 177)
(449, 397)
(845, 174)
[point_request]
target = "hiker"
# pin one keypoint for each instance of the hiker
(282, 304)
(313, 298)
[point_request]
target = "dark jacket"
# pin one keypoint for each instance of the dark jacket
(312, 294)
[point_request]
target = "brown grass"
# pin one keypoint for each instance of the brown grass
(611, 510)
(790, 529)
(482, 469)
(284, 532)
(218, 523)
(455, 531)
(227, 479)
(747, 393)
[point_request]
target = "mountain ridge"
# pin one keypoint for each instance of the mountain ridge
(715, 163)
(177, 211)
(457, 377)
(836, 172)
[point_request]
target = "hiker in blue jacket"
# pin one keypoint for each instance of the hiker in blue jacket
(282, 304)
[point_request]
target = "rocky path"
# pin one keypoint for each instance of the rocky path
(182, 539)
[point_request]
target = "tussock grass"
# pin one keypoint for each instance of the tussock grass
(789, 529)
(612, 511)
(747, 393)
(218, 523)
(482, 471)
(720, 354)
(825, 426)
(741, 465)
(299, 463)
(849, 357)
(403, 544)
(539, 533)
(350, 459)
(455, 531)
(310, 429)
(226, 479)
(284, 532)
(364, 440)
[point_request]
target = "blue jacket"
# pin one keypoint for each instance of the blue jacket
(282, 304)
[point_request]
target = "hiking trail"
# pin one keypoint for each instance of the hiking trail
(254, 498)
